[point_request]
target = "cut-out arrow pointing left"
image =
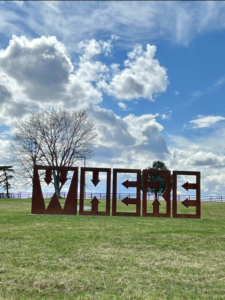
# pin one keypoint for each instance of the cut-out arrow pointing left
(128, 184)
(128, 201)
(188, 203)
(189, 186)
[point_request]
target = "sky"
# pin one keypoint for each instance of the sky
(151, 74)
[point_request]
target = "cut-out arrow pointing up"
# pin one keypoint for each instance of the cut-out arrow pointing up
(189, 186)
(48, 176)
(95, 178)
(128, 184)
(128, 201)
(94, 203)
(188, 203)
(156, 206)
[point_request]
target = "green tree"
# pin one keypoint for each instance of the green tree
(157, 165)
(5, 178)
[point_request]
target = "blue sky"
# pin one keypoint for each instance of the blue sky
(152, 75)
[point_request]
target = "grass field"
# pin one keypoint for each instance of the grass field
(96, 257)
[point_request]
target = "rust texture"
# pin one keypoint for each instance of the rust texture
(95, 202)
(70, 207)
(54, 207)
(187, 202)
(127, 201)
(166, 195)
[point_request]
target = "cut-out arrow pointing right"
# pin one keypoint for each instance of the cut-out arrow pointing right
(153, 184)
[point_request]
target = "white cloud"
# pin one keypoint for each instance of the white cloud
(220, 82)
(4, 152)
(176, 93)
(179, 22)
(166, 116)
(123, 106)
(206, 121)
(200, 154)
(196, 94)
(139, 135)
(141, 78)
(38, 72)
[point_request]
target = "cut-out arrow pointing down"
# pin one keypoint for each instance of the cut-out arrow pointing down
(95, 178)
(48, 176)
(62, 177)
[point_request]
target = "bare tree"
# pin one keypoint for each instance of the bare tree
(55, 137)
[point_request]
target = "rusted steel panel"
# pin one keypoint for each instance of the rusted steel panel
(94, 202)
(187, 202)
(54, 207)
(166, 195)
(127, 201)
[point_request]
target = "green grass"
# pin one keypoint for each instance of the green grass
(96, 257)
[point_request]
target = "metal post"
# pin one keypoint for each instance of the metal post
(85, 182)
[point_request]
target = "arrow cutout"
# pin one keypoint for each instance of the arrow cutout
(94, 203)
(189, 186)
(188, 203)
(48, 176)
(156, 204)
(128, 201)
(62, 177)
(128, 184)
(95, 178)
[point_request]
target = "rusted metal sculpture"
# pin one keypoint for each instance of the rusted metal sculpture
(127, 201)
(95, 180)
(187, 202)
(54, 207)
(166, 195)
(70, 207)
